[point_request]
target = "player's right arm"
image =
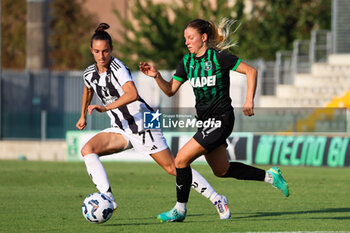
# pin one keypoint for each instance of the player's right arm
(86, 100)
(168, 87)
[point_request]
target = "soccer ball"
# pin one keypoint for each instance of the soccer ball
(97, 208)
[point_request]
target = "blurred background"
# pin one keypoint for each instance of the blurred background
(301, 50)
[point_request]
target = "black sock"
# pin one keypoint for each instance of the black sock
(242, 171)
(183, 183)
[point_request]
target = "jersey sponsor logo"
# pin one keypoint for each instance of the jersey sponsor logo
(207, 65)
(151, 120)
(110, 99)
(203, 81)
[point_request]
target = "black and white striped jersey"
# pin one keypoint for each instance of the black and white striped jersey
(108, 87)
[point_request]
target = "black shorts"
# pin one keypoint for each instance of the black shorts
(212, 136)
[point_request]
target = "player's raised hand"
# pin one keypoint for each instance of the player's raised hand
(148, 69)
(98, 108)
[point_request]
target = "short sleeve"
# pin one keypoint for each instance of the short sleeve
(180, 73)
(87, 76)
(228, 61)
(87, 84)
(121, 71)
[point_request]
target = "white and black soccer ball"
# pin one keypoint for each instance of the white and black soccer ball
(97, 208)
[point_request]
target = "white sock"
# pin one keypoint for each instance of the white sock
(97, 172)
(215, 197)
(268, 178)
(201, 185)
(110, 196)
(181, 207)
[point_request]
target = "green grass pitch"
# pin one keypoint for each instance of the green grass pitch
(47, 197)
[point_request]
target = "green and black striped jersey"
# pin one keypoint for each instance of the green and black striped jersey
(209, 76)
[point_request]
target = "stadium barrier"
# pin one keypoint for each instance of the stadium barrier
(250, 148)
(49, 150)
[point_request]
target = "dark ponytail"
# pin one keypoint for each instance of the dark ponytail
(101, 34)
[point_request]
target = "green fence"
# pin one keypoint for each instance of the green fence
(46, 125)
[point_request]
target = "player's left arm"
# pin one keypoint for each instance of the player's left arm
(129, 96)
(86, 100)
(251, 74)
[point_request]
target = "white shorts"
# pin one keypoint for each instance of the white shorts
(145, 142)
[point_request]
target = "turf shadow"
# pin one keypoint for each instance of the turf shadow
(327, 210)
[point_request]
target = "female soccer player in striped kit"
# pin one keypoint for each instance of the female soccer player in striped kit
(111, 80)
(207, 68)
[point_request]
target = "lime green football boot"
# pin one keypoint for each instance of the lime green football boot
(278, 181)
(172, 215)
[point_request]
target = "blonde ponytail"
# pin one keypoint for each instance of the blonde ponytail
(219, 38)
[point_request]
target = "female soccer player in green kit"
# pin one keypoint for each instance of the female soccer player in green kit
(207, 69)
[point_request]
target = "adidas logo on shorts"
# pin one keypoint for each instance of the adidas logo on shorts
(154, 147)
